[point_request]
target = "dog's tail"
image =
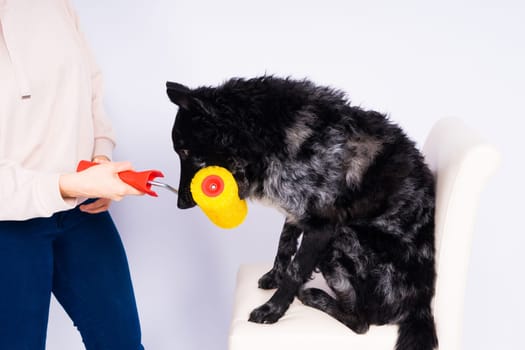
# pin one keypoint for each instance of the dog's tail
(417, 332)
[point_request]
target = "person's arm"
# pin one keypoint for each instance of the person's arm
(104, 141)
(26, 194)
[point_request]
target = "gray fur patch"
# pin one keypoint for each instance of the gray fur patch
(362, 151)
(292, 187)
(300, 132)
(340, 281)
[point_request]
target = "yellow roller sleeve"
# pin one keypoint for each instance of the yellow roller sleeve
(215, 191)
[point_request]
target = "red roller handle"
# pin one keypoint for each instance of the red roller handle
(138, 179)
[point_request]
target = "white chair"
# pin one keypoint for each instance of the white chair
(462, 162)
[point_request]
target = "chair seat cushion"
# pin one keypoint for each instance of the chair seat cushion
(301, 327)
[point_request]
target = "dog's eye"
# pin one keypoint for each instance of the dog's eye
(184, 153)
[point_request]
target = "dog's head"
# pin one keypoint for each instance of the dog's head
(203, 135)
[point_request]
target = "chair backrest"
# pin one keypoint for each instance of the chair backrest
(462, 162)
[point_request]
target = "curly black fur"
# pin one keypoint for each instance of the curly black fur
(350, 183)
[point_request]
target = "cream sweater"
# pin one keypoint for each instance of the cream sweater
(51, 113)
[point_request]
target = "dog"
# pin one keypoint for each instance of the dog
(355, 191)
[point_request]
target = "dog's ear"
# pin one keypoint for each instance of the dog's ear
(178, 94)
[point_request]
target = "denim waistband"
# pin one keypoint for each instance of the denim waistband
(55, 223)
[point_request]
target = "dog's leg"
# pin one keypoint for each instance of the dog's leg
(285, 251)
(312, 245)
(345, 308)
(320, 300)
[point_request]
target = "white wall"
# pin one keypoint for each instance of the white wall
(417, 62)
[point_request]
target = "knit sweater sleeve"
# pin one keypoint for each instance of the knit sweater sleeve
(27, 194)
(104, 135)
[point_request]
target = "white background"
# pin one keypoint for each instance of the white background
(416, 62)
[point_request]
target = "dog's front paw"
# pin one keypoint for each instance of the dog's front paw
(267, 313)
(269, 280)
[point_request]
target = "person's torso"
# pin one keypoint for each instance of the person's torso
(45, 86)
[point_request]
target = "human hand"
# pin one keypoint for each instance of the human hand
(101, 159)
(101, 204)
(101, 181)
(98, 206)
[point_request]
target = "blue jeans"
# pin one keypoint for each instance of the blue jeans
(78, 257)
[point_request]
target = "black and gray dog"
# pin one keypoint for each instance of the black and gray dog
(350, 183)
